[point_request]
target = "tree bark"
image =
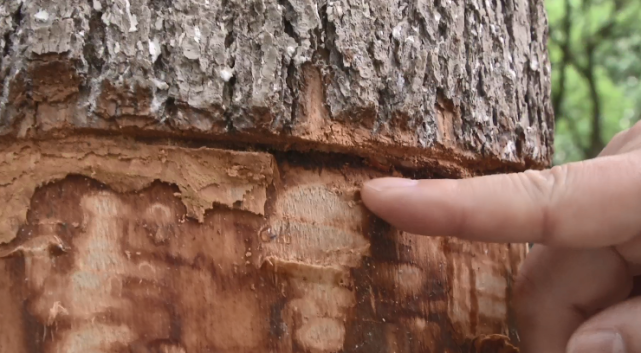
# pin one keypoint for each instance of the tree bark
(183, 176)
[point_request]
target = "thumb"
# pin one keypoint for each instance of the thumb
(614, 330)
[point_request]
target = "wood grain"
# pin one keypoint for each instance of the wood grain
(95, 269)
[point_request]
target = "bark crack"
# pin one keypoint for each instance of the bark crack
(9, 71)
(228, 21)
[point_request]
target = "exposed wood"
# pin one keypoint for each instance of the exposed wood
(182, 176)
(106, 269)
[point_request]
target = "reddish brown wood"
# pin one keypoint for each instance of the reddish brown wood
(285, 259)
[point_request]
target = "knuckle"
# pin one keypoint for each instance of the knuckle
(547, 187)
(635, 129)
(625, 141)
(630, 135)
(619, 136)
(531, 286)
(524, 287)
(615, 144)
(525, 291)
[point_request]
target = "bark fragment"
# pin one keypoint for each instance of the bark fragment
(204, 177)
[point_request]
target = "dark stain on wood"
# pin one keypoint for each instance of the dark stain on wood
(135, 274)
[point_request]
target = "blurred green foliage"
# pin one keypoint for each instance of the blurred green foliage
(595, 49)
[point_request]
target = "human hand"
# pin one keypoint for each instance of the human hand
(575, 292)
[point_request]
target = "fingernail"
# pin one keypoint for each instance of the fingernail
(390, 183)
(597, 342)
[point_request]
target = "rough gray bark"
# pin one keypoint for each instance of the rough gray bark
(465, 81)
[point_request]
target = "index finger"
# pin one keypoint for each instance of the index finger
(586, 204)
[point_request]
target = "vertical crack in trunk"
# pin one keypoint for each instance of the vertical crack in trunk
(9, 68)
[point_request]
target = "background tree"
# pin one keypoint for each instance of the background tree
(595, 46)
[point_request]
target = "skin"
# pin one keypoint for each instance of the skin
(577, 290)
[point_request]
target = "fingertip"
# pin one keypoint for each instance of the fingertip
(375, 192)
(389, 199)
(605, 341)
(617, 325)
(382, 184)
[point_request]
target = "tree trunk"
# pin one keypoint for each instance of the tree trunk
(182, 176)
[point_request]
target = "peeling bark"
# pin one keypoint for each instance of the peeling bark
(182, 176)
(140, 248)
